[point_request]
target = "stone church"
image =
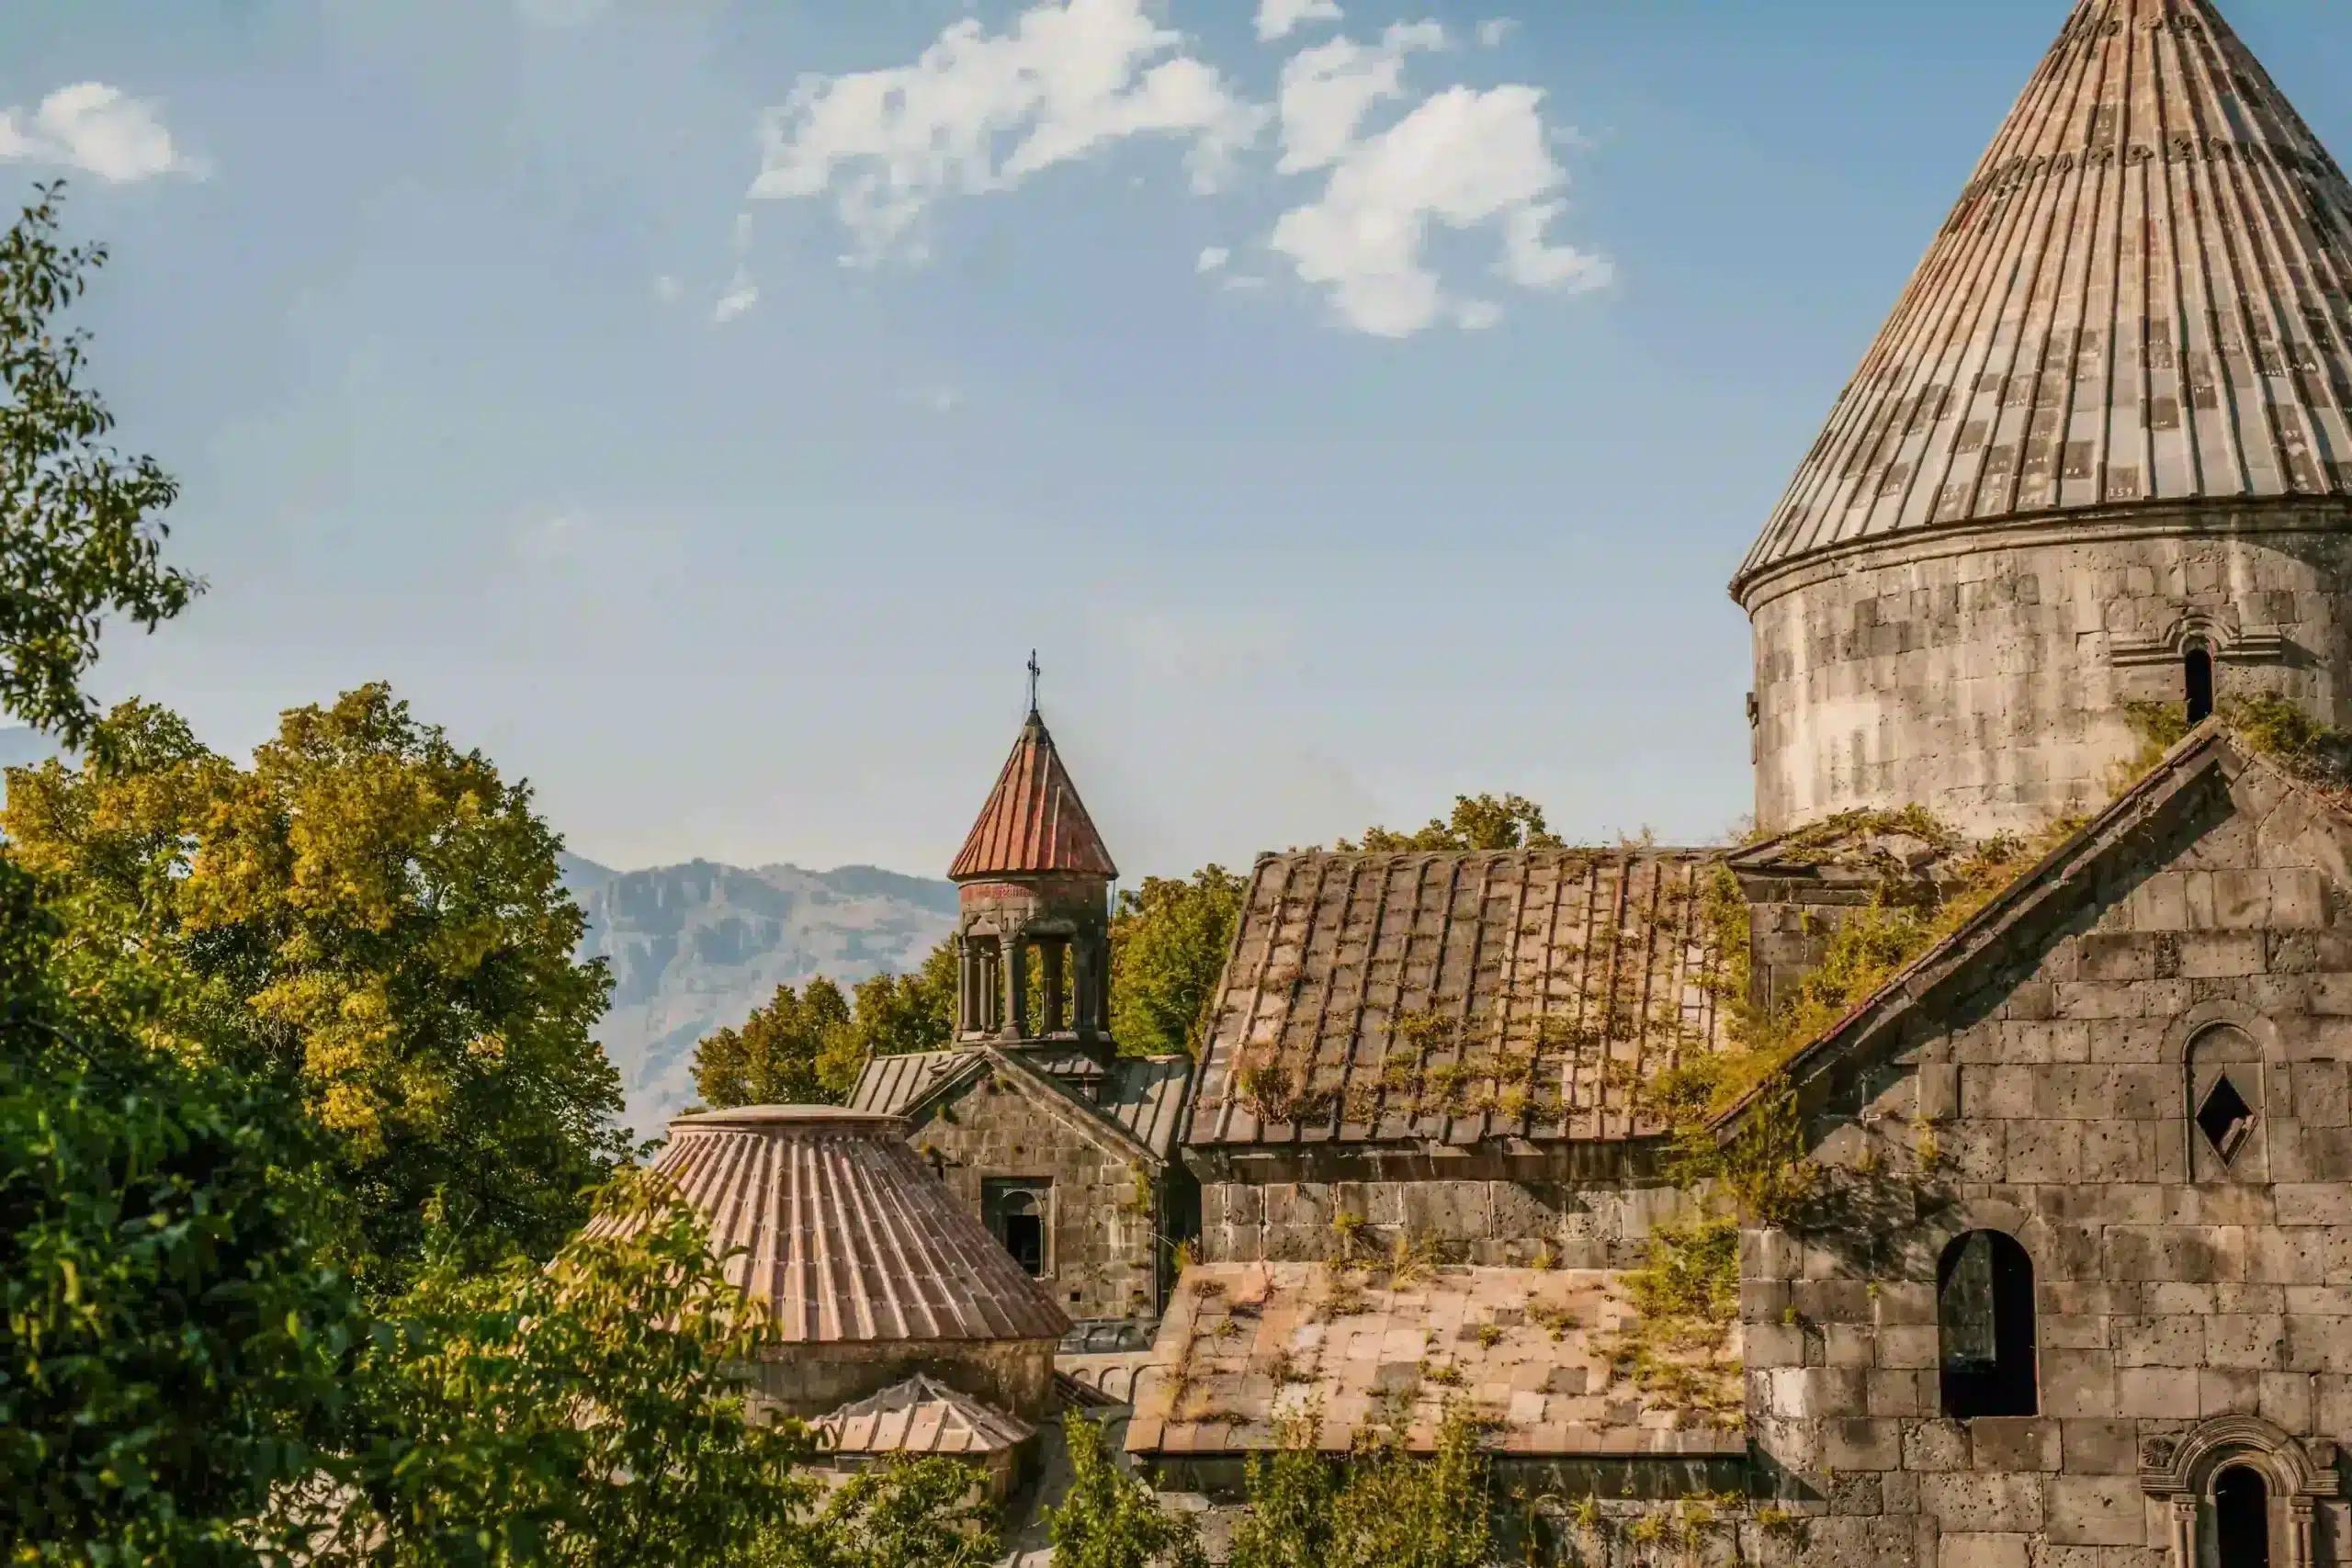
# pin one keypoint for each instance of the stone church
(2084, 1296)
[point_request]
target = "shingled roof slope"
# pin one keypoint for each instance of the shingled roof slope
(843, 1233)
(919, 1417)
(1033, 823)
(2142, 297)
(1414, 996)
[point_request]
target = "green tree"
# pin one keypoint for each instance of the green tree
(80, 531)
(367, 914)
(774, 1058)
(585, 1414)
(1110, 1518)
(1168, 945)
(893, 1015)
(1484, 822)
(910, 1514)
(172, 1349)
(1388, 1509)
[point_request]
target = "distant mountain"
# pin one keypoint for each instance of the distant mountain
(696, 947)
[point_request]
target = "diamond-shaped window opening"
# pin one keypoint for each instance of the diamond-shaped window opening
(2226, 1119)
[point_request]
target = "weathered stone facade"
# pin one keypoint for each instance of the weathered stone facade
(1112, 1218)
(1500, 1223)
(1985, 679)
(2042, 1082)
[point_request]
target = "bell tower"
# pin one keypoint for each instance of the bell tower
(1034, 878)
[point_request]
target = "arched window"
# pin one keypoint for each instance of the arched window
(1984, 1320)
(2242, 1518)
(2197, 671)
(1016, 1212)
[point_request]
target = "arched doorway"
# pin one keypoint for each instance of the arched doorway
(1984, 1322)
(2241, 1518)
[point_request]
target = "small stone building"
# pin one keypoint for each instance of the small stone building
(1425, 1162)
(1062, 1147)
(872, 1273)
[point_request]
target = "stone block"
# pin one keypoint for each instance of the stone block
(2157, 1392)
(2096, 1510)
(1860, 1443)
(1901, 1393)
(2247, 1342)
(2223, 1392)
(2092, 1447)
(2078, 1382)
(2282, 1256)
(1976, 1549)
(2004, 1093)
(1978, 1501)
(2015, 1443)
(2158, 1341)
(1912, 1345)
(1932, 1446)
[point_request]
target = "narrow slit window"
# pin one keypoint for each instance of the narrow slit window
(1984, 1322)
(2197, 669)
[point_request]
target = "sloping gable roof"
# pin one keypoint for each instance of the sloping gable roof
(1138, 1102)
(2210, 757)
(1416, 997)
(1033, 823)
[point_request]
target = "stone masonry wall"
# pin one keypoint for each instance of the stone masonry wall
(2172, 1290)
(1100, 1260)
(1499, 1224)
(1981, 684)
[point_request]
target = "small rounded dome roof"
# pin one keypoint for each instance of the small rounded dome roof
(844, 1231)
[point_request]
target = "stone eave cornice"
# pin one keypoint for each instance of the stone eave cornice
(1040, 1085)
(2137, 520)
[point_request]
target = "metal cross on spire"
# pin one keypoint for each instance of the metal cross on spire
(1034, 673)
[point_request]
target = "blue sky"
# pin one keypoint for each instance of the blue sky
(576, 366)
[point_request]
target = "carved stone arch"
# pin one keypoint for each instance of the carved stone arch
(1941, 1229)
(2185, 1468)
(2204, 1044)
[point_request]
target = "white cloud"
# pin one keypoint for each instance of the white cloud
(1280, 18)
(1213, 259)
(547, 539)
(742, 293)
(741, 296)
(1327, 91)
(1492, 32)
(981, 112)
(1466, 158)
(96, 130)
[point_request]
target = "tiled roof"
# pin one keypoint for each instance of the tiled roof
(1415, 997)
(1033, 823)
(2142, 297)
(919, 1417)
(1142, 1096)
(895, 1084)
(1535, 1351)
(843, 1233)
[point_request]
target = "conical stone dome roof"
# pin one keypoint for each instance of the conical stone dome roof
(2140, 300)
(1033, 823)
(844, 1234)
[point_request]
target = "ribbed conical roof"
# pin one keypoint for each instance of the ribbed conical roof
(2140, 300)
(845, 1235)
(1033, 823)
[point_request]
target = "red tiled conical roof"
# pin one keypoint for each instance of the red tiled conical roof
(1033, 823)
(843, 1233)
(2143, 297)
